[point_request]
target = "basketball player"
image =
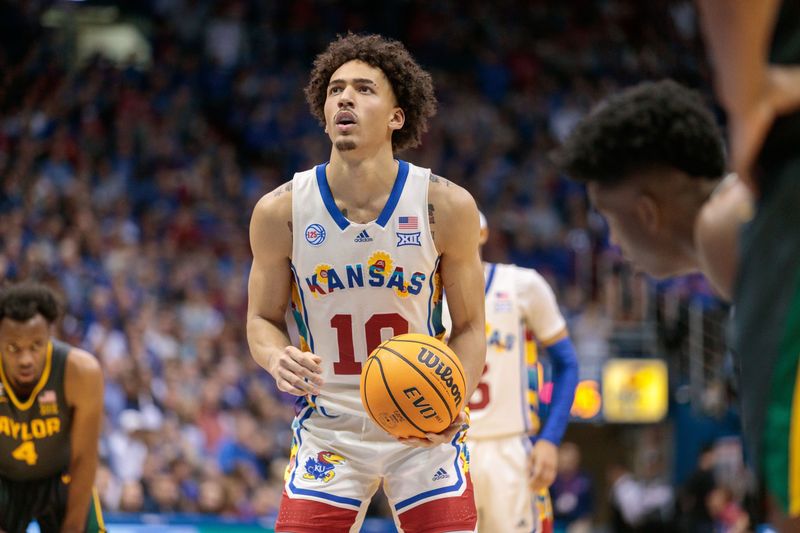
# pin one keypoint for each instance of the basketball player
(362, 247)
(51, 404)
(503, 419)
(653, 161)
(652, 158)
(755, 52)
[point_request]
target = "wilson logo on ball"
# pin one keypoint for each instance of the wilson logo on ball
(445, 373)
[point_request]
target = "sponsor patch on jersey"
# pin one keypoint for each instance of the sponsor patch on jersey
(408, 223)
(408, 239)
(322, 467)
(315, 234)
(363, 237)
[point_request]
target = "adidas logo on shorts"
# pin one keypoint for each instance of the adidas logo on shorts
(440, 474)
(363, 237)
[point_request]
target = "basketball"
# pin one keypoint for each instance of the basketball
(413, 384)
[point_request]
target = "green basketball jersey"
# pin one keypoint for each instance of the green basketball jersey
(35, 433)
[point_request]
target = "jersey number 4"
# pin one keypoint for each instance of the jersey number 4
(343, 324)
(26, 452)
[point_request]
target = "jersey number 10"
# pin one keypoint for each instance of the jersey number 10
(343, 324)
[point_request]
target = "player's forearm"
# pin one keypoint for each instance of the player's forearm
(82, 471)
(469, 344)
(266, 338)
(737, 34)
(565, 379)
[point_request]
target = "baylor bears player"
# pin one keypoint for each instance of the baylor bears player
(51, 404)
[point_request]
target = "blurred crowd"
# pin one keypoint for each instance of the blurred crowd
(130, 186)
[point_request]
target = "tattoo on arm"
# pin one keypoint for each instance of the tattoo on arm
(431, 217)
(436, 179)
(283, 189)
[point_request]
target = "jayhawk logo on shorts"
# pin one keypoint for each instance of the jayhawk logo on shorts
(322, 467)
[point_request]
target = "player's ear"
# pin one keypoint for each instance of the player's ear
(649, 213)
(397, 119)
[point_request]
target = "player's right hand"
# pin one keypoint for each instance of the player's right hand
(297, 372)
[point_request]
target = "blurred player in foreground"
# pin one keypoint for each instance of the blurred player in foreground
(755, 54)
(653, 158)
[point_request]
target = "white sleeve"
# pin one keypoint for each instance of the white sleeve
(538, 305)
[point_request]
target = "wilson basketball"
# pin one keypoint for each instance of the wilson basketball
(413, 384)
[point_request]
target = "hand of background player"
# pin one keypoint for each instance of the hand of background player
(297, 372)
(435, 439)
(543, 463)
(748, 128)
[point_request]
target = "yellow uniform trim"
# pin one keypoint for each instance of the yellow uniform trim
(39, 386)
(794, 451)
(98, 511)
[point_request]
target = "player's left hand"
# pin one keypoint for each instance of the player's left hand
(748, 128)
(543, 463)
(435, 439)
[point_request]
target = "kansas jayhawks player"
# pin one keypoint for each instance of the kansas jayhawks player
(508, 449)
(361, 247)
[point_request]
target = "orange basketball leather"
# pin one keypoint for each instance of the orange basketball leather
(413, 384)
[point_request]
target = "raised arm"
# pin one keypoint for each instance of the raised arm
(268, 292)
(83, 387)
(738, 35)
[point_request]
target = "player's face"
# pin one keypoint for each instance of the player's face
(360, 108)
(23, 346)
(629, 216)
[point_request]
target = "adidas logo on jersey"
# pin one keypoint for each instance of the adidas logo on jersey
(363, 237)
(440, 474)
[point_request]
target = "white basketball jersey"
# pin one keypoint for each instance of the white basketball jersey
(356, 285)
(520, 309)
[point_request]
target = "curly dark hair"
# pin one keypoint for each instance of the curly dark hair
(651, 125)
(411, 84)
(23, 301)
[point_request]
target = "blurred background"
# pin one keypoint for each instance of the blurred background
(136, 137)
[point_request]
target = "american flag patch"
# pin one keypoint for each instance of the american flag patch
(408, 223)
(48, 396)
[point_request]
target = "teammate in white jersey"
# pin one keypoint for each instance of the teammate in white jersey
(371, 243)
(512, 459)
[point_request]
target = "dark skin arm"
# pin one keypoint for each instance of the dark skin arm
(83, 387)
(753, 93)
